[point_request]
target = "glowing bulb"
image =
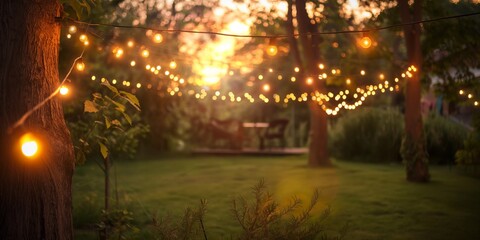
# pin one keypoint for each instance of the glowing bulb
(133, 63)
(29, 145)
(83, 38)
(309, 81)
(381, 76)
(72, 29)
(365, 42)
(130, 43)
(173, 65)
(348, 81)
(461, 92)
(475, 103)
(69, 36)
(139, 85)
(80, 65)
(297, 69)
(321, 66)
(362, 72)
(266, 87)
(145, 53)
(470, 95)
(63, 90)
(272, 50)
(118, 52)
(157, 38)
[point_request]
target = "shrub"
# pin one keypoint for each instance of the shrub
(444, 138)
(469, 155)
(368, 134)
(259, 218)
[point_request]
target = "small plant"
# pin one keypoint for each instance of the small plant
(118, 223)
(259, 218)
(189, 227)
(469, 156)
(264, 218)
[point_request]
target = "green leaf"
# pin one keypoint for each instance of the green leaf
(107, 122)
(90, 107)
(103, 150)
(120, 107)
(112, 88)
(129, 120)
(132, 99)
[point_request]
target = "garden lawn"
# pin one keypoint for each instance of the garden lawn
(375, 200)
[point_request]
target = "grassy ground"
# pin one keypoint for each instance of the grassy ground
(375, 200)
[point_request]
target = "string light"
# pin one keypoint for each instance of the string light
(80, 65)
(272, 48)
(145, 53)
(275, 36)
(158, 38)
(130, 43)
(173, 65)
(365, 41)
(29, 145)
(72, 29)
(63, 90)
(133, 63)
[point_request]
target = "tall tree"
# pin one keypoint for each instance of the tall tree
(307, 56)
(413, 145)
(35, 194)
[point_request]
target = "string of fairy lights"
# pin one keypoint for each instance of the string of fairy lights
(330, 102)
(469, 96)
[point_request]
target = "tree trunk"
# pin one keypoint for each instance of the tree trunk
(413, 146)
(35, 194)
(318, 148)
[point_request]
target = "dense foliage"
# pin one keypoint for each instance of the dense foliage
(375, 135)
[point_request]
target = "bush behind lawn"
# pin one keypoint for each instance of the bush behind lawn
(375, 135)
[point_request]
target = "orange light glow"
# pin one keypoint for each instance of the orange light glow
(145, 53)
(80, 65)
(173, 65)
(29, 145)
(158, 38)
(365, 42)
(63, 90)
(266, 87)
(272, 50)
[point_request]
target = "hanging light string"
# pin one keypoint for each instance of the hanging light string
(27, 114)
(469, 96)
(272, 36)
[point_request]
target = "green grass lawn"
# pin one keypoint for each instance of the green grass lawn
(375, 200)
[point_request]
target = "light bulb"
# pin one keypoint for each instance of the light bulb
(145, 53)
(158, 38)
(29, 145)
(173, 65)
(80, 65)
(272, 50)
(63, 90)
(266, 87)
(72, 29)
(365, 42)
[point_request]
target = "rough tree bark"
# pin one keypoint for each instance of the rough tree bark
(318, 147)
(413, 145)
(35, 194)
